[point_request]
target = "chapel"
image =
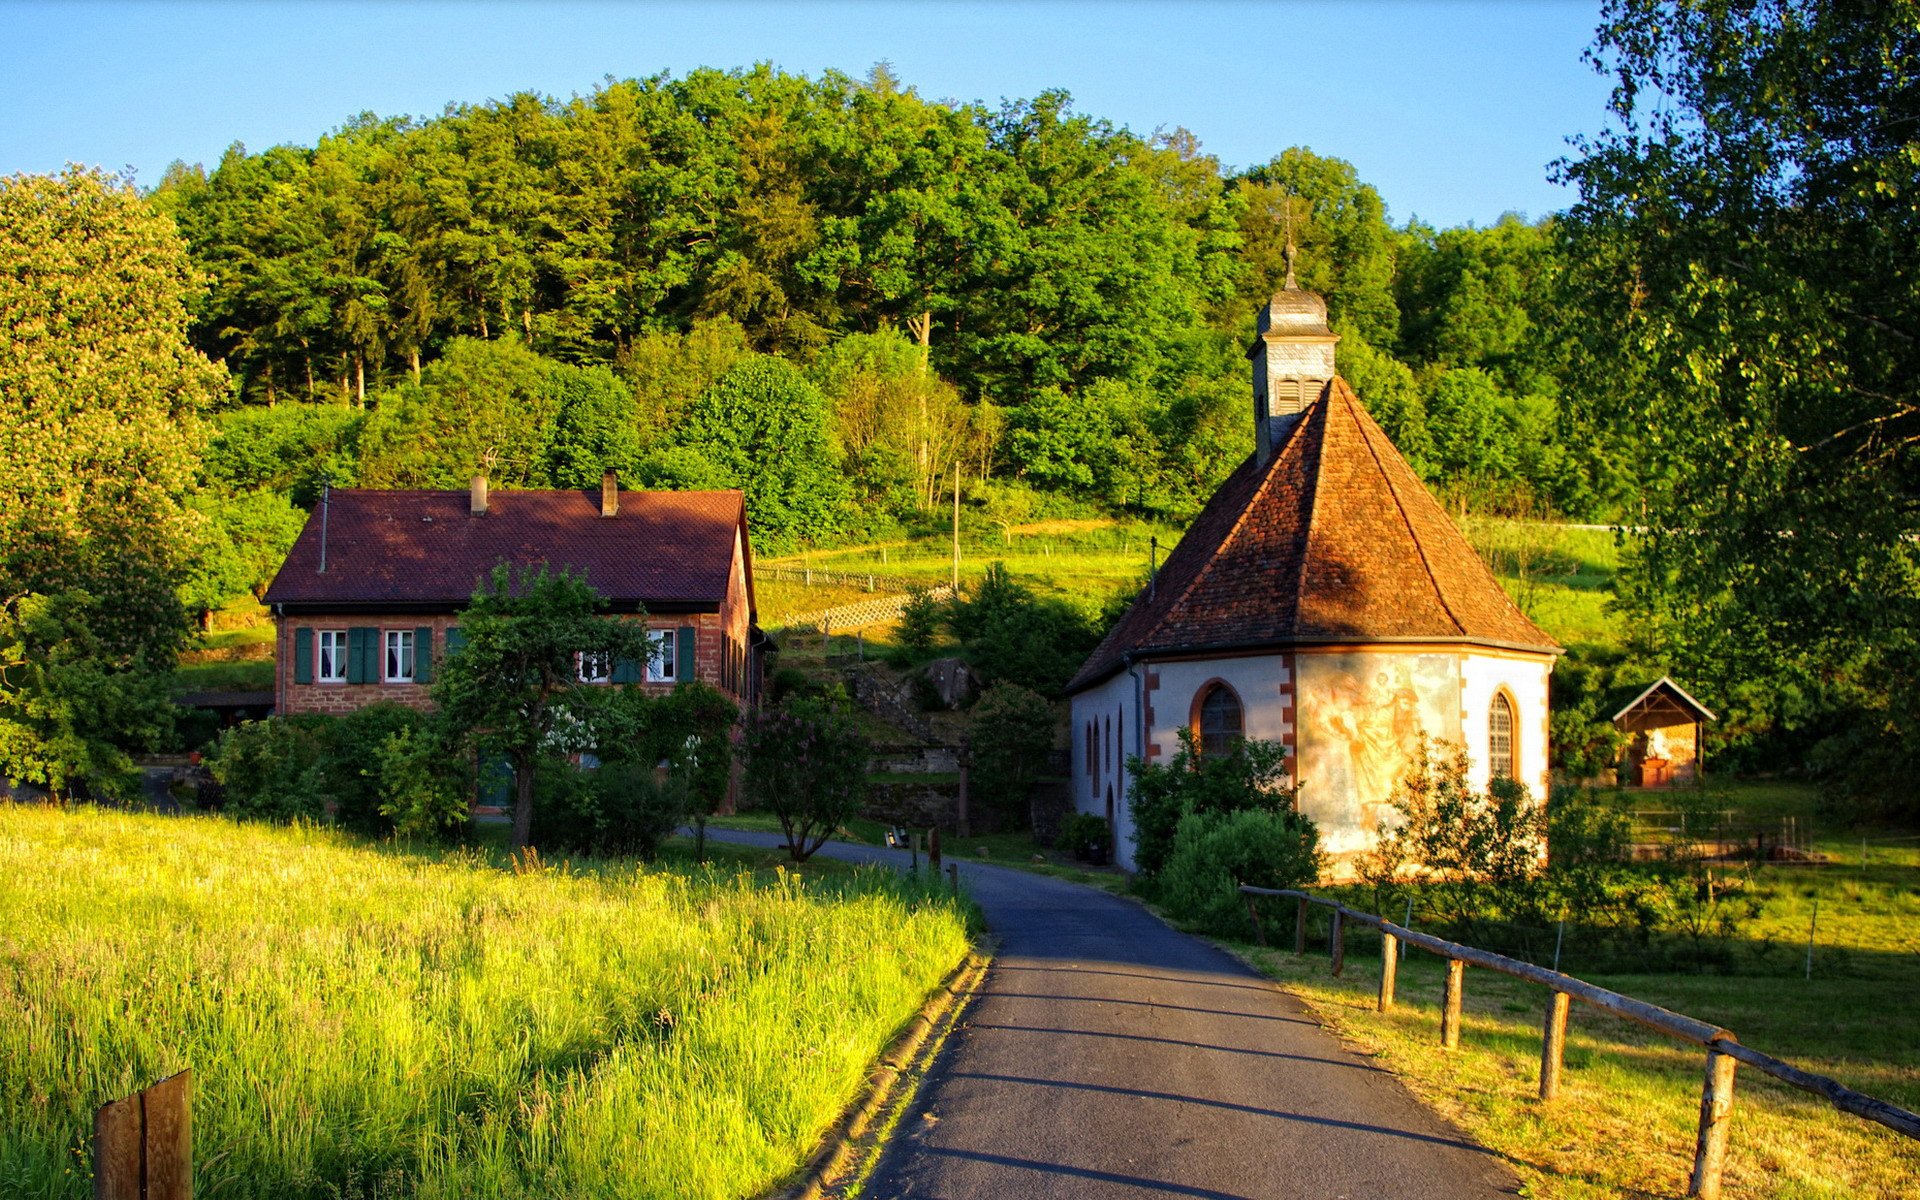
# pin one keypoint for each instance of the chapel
(1322, 599)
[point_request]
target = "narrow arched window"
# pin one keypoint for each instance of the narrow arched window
(1500, 749)
(1221, 724)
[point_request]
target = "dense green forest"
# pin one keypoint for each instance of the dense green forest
(1050, 304)
(848, 300)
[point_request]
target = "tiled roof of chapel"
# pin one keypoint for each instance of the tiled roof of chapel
(427, 548)
(1333, 539)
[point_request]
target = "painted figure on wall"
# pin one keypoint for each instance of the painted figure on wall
(1363, 718)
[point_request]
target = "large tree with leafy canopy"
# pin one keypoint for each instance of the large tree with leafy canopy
(100, 438)
(1743, 255)
(513, 686)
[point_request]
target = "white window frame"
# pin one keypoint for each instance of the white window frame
(593, 666)
(330, 650)
(663, 660)
(397, 645)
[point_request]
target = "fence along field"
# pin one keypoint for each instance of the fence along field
(362, 1021)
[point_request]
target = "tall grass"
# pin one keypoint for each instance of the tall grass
(368, 1022)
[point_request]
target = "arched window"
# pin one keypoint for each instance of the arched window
(1221, 724)
(1500, 748)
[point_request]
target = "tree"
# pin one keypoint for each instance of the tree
(766, 430)
(100, 405)
(513, 688)
(482, 406)
(1250, 776)
(1741, 253)
(806, 761)
(70, 703)
(1011, 733)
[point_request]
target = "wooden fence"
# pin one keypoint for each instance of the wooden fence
(143, 1145)
(1723, 1050)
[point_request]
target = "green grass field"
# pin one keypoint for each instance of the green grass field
(365, 1021)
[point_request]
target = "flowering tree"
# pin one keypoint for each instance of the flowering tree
(806, 761)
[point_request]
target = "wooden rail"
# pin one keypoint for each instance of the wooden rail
(1724, 1051)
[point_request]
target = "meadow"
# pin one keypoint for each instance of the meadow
(368, 1021)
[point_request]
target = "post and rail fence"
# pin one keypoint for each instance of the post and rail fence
(1724, 1051)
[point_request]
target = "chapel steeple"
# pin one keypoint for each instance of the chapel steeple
(1292, 357)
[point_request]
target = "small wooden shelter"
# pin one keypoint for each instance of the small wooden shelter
(1665, 727)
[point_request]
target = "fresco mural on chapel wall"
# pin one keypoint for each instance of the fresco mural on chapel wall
(1361, 718)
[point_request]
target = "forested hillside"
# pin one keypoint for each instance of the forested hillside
(850, 300)
(675, 276)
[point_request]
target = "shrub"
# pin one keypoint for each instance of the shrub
(351, 766)
(620, 808)
(421, 794)
(1009, 633)
(1216, 853)
(1253, 775)
(1011, 734)
(1085, 836)
(806, 762)
(919, 627)
(271, 769)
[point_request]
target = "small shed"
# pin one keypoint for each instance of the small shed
(1664, 727)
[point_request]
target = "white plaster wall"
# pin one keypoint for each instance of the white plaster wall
(1525, 679)
(1111, 702)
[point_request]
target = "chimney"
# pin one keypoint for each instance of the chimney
(478, 496)
(1292, 361)
(609, 495)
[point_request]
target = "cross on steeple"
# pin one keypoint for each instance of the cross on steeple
(1291, 285)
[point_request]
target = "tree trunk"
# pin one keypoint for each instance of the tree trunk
(522, 805)
(413, 360)
(360, 380)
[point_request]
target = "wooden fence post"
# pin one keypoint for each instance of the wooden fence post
(1337, 936)
(1259, 935)
(1300, 927)
(1553, 1044)
(143, 1145)
(1450, 1005)
(1389, 965)
(1716, 1107)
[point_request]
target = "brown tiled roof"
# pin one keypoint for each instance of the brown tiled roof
(1334, 539)
(425, 548)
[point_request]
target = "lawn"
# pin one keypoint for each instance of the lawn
(366, 1021)
(1625, 1122)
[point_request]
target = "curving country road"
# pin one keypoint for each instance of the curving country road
(1108, 1055)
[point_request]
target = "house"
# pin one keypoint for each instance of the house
(1322, 599)
(1665, 730)
(368, 601)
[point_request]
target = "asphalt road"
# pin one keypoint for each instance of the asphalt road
(1111, 1056)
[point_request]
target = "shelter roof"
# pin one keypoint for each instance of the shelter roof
(427, 548)
(1665, 692)
(1333, 539)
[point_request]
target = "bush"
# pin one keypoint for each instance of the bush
(421, 795)
(1085, 836)
(621, 808)
(271, 769)
(1011, 734)
(1216, 853)
(919, 628)
(806, 762)
(351, 766)
(1008, 633)
(1252, 776)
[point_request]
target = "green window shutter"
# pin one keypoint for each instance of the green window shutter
(683, 652)
(363, 655)
(625, 670)
(423, 654)
(303, 656)
(456, 639)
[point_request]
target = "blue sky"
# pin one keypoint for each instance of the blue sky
(1452, 109)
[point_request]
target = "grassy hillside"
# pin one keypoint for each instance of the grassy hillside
(364, 1021)
(1561, 576)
